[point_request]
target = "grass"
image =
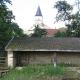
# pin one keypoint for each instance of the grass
(50, 71)
(30, 72)
(41, 72)
(79, 66)
(67, 65)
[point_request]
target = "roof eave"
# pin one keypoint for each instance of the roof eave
(54, 50)
(9, 43)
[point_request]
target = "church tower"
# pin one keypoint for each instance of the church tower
(38, 21)
(38, 16)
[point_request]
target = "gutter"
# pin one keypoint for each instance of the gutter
(9, 43)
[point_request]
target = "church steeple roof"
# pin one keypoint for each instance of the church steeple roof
(38, 13)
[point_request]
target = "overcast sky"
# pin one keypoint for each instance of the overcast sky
(25, 10)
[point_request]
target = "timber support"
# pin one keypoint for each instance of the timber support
(55, 59)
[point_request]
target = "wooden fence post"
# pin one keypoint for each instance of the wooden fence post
(55, 59)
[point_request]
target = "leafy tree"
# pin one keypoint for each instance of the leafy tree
(7, 32)
(64, 14)
(63, 10)
(16, 31)
(38, 32)
(5, 21)
(3, 3)
(60, 34)
(8, 29)
(74, 28)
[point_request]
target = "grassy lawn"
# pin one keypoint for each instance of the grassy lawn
(47, 72)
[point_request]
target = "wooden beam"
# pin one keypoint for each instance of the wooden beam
(55, 59)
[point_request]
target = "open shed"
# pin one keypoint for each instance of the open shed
(42, 50)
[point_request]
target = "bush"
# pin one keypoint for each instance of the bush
(51, 70)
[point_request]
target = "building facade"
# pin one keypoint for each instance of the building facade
(43, 50)
(38, 21)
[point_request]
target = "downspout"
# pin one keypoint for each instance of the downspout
(9, 43)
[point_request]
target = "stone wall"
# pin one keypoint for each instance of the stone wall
(68, 58)
(34, 58)
(41, 58)
(31, 58)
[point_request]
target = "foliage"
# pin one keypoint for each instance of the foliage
(3, 3)
(7, 32)
(60, 34)
(31, 72)
(8, 29)
(64, 10)
(65, 14)
(79, 66)
(5, 22)
(74, 26)
(38, 32)
(50, 70)
(67, 65)
(16, 31)
(43, 72)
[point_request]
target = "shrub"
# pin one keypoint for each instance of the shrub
(51, 70)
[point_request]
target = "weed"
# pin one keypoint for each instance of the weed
(30, 72)
(51, 70)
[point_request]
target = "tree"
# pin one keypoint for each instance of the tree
(3, 3)
(7, 32)
(64, 14)
(77, 3)
(64, 10)
(16, 31)
(5, 21)
(8, 29)
(38, 32)
(74, 28)
(60, 34)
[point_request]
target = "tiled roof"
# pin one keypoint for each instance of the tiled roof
(51, 32)
(44, 44)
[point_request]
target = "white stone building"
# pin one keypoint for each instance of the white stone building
(38, 21)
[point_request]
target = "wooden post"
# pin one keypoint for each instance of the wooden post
(0, 74)
(55, 59)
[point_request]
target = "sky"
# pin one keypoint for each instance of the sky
(25, 10)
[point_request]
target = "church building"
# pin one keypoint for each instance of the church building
(39, 21)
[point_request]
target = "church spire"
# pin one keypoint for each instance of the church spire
(38, 13)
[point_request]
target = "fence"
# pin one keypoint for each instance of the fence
(3, 65)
